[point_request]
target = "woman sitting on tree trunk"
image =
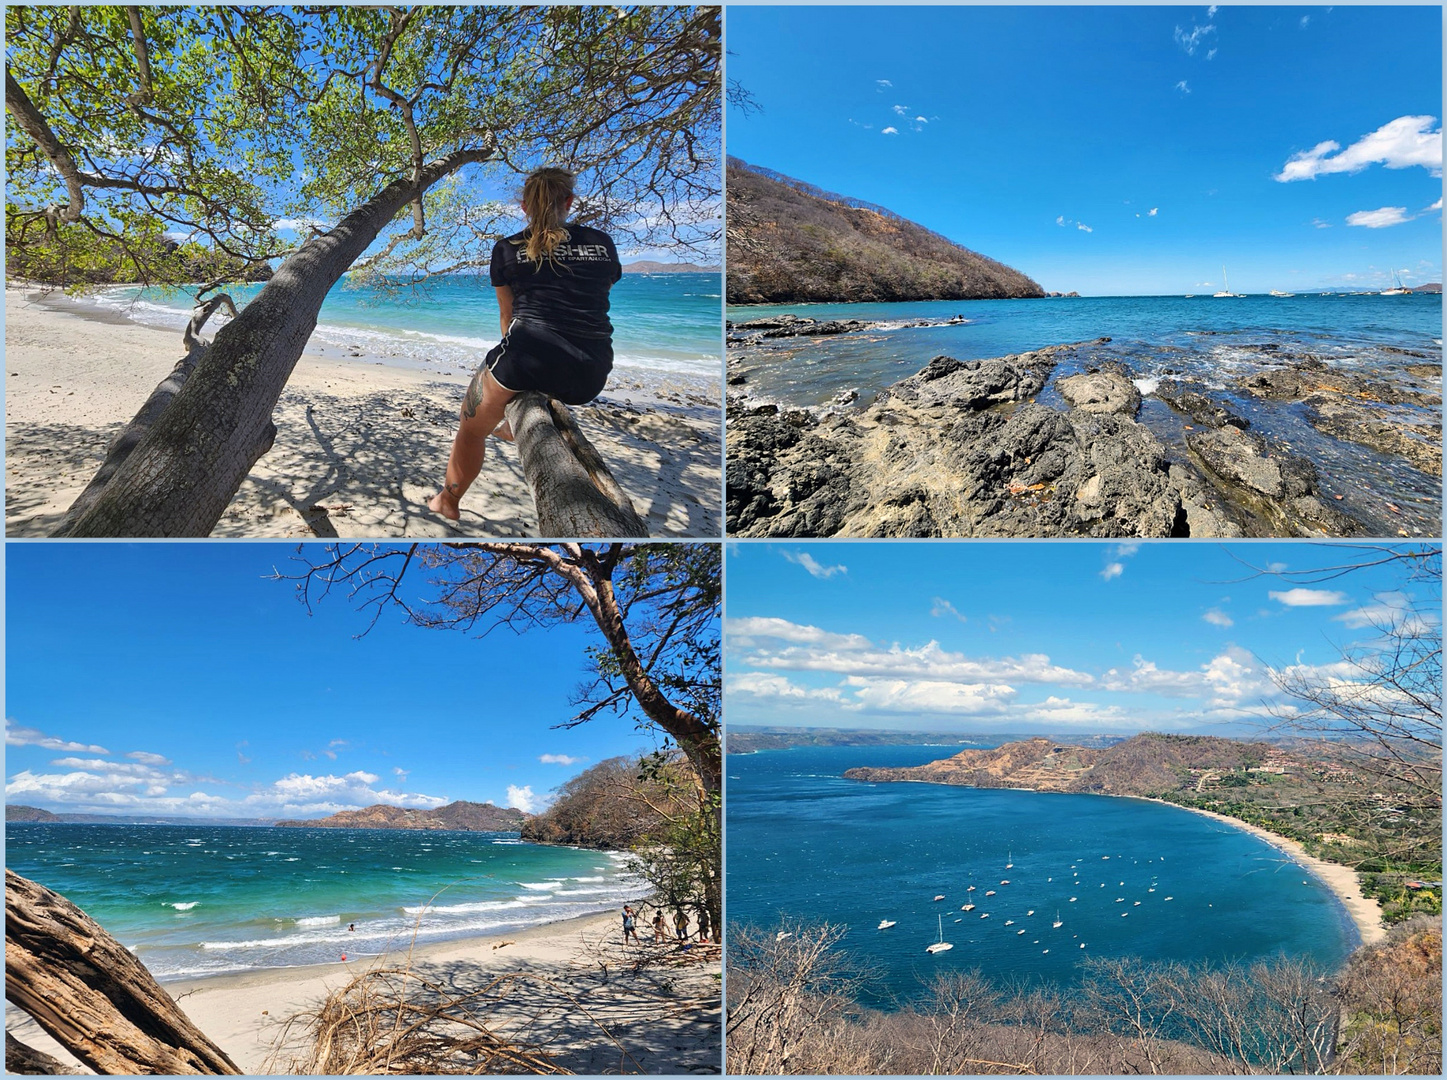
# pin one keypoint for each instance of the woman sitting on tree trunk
(552, 281)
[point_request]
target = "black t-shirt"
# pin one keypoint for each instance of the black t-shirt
(568, 292)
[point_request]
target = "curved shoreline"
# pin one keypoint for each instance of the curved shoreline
(1342, 880)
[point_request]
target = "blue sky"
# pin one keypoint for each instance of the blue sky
(177, 679)
(1044, 637)
(1118, 151)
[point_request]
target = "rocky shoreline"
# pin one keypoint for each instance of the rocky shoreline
(967, 449)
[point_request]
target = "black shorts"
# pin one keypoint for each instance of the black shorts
(533, 357)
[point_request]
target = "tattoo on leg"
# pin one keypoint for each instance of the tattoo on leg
(474, 395)
(456, 489)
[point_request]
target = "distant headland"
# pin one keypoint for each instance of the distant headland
(460, 816)
(791, 242)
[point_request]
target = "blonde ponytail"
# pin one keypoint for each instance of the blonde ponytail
(545, 199)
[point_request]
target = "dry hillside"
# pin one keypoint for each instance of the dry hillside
(790, 242)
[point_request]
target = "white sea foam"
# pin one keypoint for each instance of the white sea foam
(481, 905)
(319, 920)
(185, 906)
(1146, 386)
(542, 885)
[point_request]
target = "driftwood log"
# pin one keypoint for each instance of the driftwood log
(91, 995)
(22, 1060)
(575, 494)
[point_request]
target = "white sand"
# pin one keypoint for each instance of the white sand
(361, 445)
(1341, 880)
(584, 1002)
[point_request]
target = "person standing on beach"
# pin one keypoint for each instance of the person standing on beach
(552, 281)
(658, 927)
(628, 931)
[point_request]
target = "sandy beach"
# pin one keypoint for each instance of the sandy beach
(1341, 880)
(361, 444)
(587, 1000)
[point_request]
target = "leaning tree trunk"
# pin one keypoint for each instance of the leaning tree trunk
(575, 494)
(182, 474)
(92, 995)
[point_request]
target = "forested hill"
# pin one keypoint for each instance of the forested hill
(789, 242)
(463, 816)
(1147, 764)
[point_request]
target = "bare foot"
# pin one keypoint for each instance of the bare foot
(503, 431)
(445, 504)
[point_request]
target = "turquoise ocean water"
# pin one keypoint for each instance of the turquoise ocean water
(806, 844)
(196, 900)
(666, 326)
(1202, 338)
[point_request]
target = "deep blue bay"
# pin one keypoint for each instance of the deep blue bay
(806, 845)
(193, 900)
(1200, 339)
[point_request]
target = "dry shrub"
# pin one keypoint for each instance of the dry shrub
(394, 1021)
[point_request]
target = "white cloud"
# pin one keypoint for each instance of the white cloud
(1116, 554)
(920, 120)
(98, 786)
(901, 110)
(523, 798)
(1211, 54)
(1083, 227)
(299, 224)
(1309, 597)
(148, 759)
(1152, 211)
(778, 688)
(111, 768)
(1399, 144)
(882, 83)
(1060, 220)
(815, 568)
(1217, 617)
(890, 131)
(559, 759)
(1435, 206)
(15, 735)
(1211, 11)
(1228, 678)
(1182, 87)
(929, 695)
(1379, 219)
(1057, 710)
(807, 648)
(940, 606)
(1389, 611)
(745, 632)
(1305, 21)
(400, 773)
(1191, 40)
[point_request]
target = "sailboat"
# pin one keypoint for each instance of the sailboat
(1398, 289)
(1011, 864)
(941, 945)
(1227, 290)
(1057, 923)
